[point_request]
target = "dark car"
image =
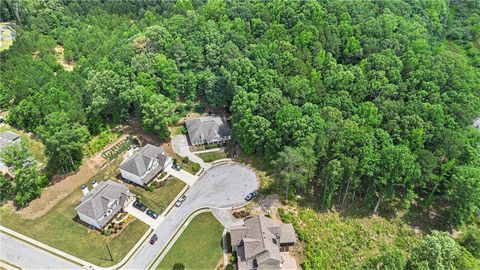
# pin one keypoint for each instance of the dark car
(176, 167)
(180, 200)
(251, 196)
(140, 206)
(153, 239)
(152, 214)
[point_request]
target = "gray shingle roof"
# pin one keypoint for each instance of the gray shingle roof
(7, 138)
(256, 240)
(207, 129)
(476, 123)
(106, 199)
(142, 160)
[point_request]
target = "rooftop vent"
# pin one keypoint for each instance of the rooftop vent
(94, 184)
(84, 190)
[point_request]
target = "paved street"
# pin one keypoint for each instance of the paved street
(180, 146)
(26, 256)
(222, 186)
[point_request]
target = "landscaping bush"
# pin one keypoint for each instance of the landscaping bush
(195, 167)
(160, 184)
(107, 232)
(185, 160)
(150, 188)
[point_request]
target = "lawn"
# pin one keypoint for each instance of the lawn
(58, 229)
(35, 146)
(161, 197)
(199, 246)
(189, 166)
(212, 156)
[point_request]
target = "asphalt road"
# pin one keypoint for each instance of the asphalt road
(26, 256)
(222, 186)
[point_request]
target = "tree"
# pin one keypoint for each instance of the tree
(156, 115)
(391, 258)
(464, 194)
(470, 239)
(296, 165)
(437, 251)
(63, 140)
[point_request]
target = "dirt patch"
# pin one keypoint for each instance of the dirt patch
(61, 188)
(67, 65)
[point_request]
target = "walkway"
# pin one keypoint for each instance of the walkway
(180, 146)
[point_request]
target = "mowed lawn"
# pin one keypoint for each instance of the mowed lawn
(58, 229)
(161, 197)
(199, 246)
(212, 156)
(36, 147)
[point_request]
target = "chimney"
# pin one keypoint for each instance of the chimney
(84, 190)
(94, 184)
(277, 238)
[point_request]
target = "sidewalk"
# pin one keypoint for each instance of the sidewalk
(183, 175)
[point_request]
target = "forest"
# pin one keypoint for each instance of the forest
(365, 103)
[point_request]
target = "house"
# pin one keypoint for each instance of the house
(145, 164)
(7, 138)
(260, 242)
(208, 130)
(99, 206)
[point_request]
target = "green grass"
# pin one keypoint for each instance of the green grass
(58, 229)
(178, 131)
(212, 156)
(36, 147)
(199, 246)
(187, 166)
(161, 197)
(335, 242)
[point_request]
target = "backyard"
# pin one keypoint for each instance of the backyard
(199, 246)
(35, 146)
(160, 197)
(58, 228)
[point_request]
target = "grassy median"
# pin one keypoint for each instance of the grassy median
(199, 246)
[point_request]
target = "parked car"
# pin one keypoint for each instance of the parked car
(153, 239)
(251, 196)
(152, 214)
(176, 167)
(180, 200)
(140, 206)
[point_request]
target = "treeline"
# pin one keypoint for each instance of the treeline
(367, 101)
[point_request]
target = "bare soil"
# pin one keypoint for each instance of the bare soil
(67, 65)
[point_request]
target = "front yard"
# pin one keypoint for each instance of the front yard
(58, 228)
(35, 146)
(161, 197)
(212, 156)
(199, 246)
(187, 164)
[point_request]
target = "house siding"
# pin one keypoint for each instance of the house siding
(89, 220)
(131, 177)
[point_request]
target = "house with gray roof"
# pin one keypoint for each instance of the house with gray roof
(145, 164)
(208, 130)
(7, 138)
(260, 242)
(100, 205)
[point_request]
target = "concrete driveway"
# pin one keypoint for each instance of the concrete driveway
(26, 256)
(180, 146)
(222, 186)
(183, 175)
(153, 223)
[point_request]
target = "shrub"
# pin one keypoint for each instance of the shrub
(471, 240)
(185, 160)
(107, 232)
(195, 167)
(150, 188)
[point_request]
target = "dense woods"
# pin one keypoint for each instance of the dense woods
(369, 102)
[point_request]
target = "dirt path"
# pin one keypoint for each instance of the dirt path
(62, 186)
(67, 65)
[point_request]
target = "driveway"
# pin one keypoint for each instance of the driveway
(183, 175)
(153, 223)
(222, 186)
(180, 146)
(26, 256)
